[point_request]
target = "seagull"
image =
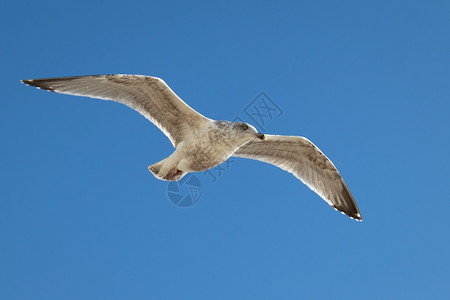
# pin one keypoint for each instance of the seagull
(202, 143)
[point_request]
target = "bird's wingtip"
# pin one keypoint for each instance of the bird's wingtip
(29, 82)
(352, 215)
(42, 84)
(357, 217)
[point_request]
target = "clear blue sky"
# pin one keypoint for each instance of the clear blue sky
(367, 81)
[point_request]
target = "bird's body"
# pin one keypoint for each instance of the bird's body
(209, 146)
(202, 143)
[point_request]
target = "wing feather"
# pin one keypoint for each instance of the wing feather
(305, 161)
(150, 96)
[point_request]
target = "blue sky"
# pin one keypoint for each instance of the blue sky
(367, 81)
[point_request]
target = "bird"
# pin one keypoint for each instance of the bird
(202, 143)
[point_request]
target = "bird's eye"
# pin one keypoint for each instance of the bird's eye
(244, 126)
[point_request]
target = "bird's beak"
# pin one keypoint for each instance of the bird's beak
(261, 136)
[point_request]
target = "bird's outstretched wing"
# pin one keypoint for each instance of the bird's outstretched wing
(150, 96)
(305, 161)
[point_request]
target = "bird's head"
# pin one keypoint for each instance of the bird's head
(247, 132)
(237, 133)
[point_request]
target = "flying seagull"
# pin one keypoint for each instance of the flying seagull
(202, 143)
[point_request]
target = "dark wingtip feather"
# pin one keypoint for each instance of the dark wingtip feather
(349, 206)
(357, 217)
(39, 83)
(48, 83)
(352, 215)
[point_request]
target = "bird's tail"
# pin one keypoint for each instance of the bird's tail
(173, 175)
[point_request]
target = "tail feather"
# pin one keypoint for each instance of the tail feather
(173, 175)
